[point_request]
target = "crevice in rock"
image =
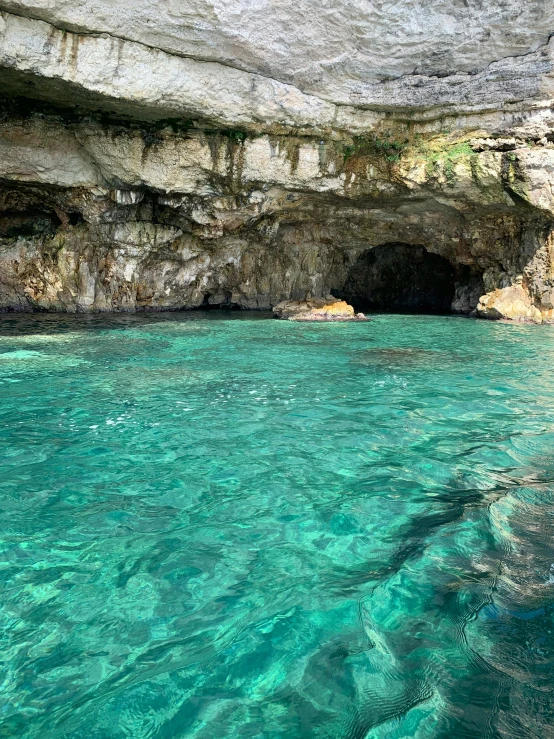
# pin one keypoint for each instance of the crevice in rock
(75, 218)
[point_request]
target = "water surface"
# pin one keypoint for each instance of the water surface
(221, 526)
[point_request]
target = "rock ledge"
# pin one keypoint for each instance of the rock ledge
(317, 309)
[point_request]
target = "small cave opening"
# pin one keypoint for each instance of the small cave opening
(28, 223)
(75, 218)
(400, 278)
(218, 301)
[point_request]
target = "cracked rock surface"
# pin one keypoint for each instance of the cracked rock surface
(164, 155)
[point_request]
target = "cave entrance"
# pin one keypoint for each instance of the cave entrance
(400, 278)
(218, 301)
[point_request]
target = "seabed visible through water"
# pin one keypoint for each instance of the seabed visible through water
(216, 526)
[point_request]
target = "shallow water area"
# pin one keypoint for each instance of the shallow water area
(220, 525)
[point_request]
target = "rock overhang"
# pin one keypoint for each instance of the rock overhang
(195, 174)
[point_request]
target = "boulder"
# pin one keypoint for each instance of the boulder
(317, 309)
(512, 302)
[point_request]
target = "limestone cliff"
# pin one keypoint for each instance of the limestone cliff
(164, 155)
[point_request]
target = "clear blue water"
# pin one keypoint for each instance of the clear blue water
(228, 526)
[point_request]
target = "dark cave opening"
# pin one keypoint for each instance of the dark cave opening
(28, 222)
(400, 278)
(218, 301)
(75, 218)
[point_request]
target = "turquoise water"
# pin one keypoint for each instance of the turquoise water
(218, 525)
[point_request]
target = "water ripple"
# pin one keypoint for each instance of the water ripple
(222, 527)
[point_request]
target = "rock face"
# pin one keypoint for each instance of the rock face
(318, 309)
(166, 155)
(510, 302)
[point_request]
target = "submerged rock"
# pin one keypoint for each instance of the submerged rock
(317, 309)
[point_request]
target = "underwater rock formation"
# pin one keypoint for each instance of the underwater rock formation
(160, 157)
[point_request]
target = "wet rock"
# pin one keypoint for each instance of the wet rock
(511, 303)
(321, 309)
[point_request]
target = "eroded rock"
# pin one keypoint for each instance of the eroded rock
(511, 303)
(317, 309)
(160, 158)
(97, 216)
